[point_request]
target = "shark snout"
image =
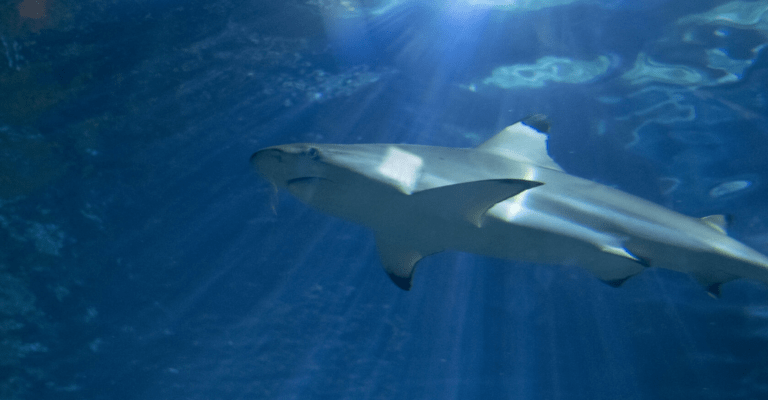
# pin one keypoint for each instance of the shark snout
(268, 155)
(285, 164)
(268, 163)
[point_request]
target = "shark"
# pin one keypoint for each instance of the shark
(506, 198)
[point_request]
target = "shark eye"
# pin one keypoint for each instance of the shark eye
(313, 153)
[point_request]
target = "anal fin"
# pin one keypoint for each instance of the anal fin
(715, 289)
(713, 286)
(616, 283)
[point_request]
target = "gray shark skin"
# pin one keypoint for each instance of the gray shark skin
(507, 199)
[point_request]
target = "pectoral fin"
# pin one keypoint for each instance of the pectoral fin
(617, 282)
(399, 260)
(470, 200)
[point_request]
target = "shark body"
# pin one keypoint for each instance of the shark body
(507, 199)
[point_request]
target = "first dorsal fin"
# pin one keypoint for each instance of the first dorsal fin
(717, 222)
(524, 141)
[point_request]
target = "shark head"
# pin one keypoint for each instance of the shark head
(299, 168)
(335, 178)
(287, 164)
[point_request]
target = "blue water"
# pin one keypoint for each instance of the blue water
(140, 256)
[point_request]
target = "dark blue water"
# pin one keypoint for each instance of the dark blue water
(140, 257)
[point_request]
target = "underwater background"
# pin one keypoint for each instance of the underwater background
(142, 258)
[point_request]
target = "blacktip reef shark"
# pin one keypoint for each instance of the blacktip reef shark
(507, 199)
